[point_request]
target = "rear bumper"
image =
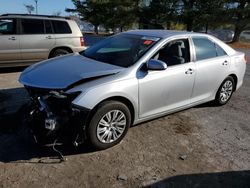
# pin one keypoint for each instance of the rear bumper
(239, 84)
(79, 49)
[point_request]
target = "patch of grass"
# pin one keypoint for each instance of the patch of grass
(243, 45)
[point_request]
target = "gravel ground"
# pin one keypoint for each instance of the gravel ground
(204, 146)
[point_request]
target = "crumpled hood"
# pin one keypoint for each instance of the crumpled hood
(61, 72)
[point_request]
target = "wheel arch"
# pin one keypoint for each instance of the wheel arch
(121, 99)
(60, 47)
(235, 80)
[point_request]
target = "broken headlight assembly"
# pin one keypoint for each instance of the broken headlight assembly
(53, 117)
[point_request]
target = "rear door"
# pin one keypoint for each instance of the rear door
(36, 39)
(9, 40)
(212, 67)
(63, 34)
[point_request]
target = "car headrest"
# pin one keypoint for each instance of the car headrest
(175, 49)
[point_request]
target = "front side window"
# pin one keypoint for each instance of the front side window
(7, 26)
(204, 48)
(174, 53)
(121, 50)
(32, 26)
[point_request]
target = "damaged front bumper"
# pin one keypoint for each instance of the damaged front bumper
(53, 118)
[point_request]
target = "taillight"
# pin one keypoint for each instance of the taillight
(82, 41)
(245, 57)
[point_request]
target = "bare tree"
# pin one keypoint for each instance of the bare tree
(30, 8)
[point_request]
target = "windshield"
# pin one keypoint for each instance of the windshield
(121, 50)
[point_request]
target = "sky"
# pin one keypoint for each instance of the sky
(44, 6)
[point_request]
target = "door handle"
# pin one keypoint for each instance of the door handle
(48, 37)
(189, 71)
(225, 62)
(12, 38)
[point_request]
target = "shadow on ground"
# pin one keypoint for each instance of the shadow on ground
(233, 179)
(16, 141)
(18, 145)
(12, 69)
(12, 103)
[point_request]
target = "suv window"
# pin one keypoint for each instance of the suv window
(48, 27)
(246, 32)
(61, 27)
(204, 48)
(174, 53)
(7, 26)
(32, 26)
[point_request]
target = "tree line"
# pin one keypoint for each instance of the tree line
(194, 15)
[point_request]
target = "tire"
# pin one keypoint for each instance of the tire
(103, 135)
(59, 52)
(225, 91)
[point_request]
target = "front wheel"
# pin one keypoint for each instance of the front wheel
(109, 124)
(225, 91)
(59, 52)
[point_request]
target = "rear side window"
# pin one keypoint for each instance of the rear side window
(61, 27)
(220, 51)
(48, 27)
(204, 48)
(32, 26)
(7, 26)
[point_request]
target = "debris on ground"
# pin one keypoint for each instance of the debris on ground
(122, 177)
(183, 157)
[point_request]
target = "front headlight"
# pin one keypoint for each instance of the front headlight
(63, 95)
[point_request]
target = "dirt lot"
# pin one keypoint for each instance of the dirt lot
(205, 146)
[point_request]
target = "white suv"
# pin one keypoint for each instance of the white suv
(26, 39)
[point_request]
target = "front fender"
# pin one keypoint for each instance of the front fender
(125, 88)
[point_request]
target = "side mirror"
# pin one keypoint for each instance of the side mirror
(154, 64)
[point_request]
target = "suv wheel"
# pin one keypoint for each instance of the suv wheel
(59, 52)
(109, 124)
(225, 91)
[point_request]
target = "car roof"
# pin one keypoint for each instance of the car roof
(161, 33)
(34, 16)
(172, 33)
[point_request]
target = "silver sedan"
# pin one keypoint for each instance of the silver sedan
(127, 79)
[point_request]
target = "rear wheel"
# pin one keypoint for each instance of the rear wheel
(225, 91)
(59, 52)
(109, 124)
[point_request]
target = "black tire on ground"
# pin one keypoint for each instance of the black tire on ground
(101, 111)
(59, 52)
(218, 100)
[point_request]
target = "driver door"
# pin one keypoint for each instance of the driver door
(167, 90)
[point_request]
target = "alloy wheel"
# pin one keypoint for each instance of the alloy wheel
(111, 126)
(226, 91)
